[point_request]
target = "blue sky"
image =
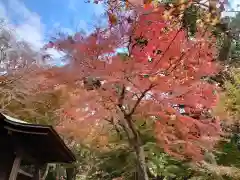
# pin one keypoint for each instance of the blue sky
(65, 13)
(37, 20)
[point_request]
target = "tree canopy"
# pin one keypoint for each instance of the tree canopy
(145, 112)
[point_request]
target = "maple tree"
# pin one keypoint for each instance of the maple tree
(210, 10)
(160, 79)
(162, 71)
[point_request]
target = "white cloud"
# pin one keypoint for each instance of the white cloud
(28, 26)
(55, 53)
(235, 3)
(234, 6)
(32, 31)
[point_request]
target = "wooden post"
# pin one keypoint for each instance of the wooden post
(15, 167)
(58, 171)
(37, 175)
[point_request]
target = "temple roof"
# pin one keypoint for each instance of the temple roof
(39, 141)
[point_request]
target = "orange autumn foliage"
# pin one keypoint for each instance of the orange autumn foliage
(163, 69)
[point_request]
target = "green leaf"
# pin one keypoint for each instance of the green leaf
(190, 17)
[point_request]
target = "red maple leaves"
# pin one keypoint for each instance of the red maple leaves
(164, 68)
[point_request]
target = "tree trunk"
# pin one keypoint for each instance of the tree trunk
(225, 49)
(141, 162)
(136, 143)
(133, 135)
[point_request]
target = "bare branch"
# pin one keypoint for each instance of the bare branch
(139, 100)
(121, 98)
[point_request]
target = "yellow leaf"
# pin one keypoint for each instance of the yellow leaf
(182, 7)
(127, 4)
(173, 117)
(112, 18)
(166, 15)
(153, 78)
(215, 21)
(213, 4)
(147, 2)
(182, 1)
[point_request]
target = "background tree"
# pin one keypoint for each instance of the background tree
(20, 96)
